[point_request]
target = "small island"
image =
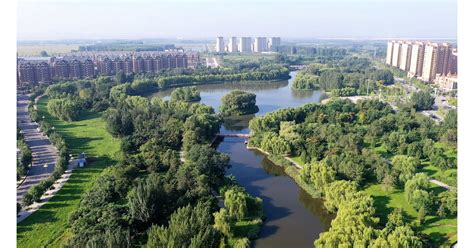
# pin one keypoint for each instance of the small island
(238, 102)
(187, 94)
(305, 81)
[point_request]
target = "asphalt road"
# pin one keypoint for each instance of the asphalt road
(44, 153)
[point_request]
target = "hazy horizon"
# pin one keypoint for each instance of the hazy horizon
(206, 19)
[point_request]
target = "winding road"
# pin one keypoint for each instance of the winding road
(44, 153)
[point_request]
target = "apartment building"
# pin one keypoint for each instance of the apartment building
(388, 59)
(405, 56)
(233, 46)
(88, 65)
(396, 54)
(416, 63)
(273, 43)
(220, 47)
(245, 44)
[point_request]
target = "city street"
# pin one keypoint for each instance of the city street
(44, 153)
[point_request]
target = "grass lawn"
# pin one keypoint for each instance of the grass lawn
(48, 225)
(442, 231)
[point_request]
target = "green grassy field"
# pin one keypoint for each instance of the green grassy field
(442, 231)
(48, 225)
(51, 49)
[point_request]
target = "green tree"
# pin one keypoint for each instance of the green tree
(318, 175)
(64, 109)
(406, 167)
(421, 215)
(221, 222)
(448, 203)
(235, 202)
(238, 102)
(187, 94)
(337, 193)
(422, 100)
(188, 226)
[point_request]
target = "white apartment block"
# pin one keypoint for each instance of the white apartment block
(259, 45)
(232, 47)
(245, 44)
(405, 56)
(273, 43)
(396, 54)
(388, 60)
(220, 47)
(416, 63)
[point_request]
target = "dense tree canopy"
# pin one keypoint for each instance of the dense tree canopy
(238, 102)
(187, 94)
(422, 100)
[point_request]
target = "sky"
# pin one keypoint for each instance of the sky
(205, 19)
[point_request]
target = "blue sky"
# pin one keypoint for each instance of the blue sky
(126, 19)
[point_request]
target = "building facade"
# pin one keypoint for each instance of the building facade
(274, 43)
(388, 60)
(416, 63)
(425, 61)
(232, 48)
(220, 47)
(259, 44)
(405, 56)
(245, 45)
(33, 70)
(396, 54)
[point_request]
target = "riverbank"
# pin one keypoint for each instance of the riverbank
(291, 169)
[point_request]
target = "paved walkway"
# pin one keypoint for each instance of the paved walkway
(48, 194)
(43, 152)
(441, 184)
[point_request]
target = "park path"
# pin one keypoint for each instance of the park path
(43, 152)
(57, 185)
(441, 184)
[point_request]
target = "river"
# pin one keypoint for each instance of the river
(293, 217)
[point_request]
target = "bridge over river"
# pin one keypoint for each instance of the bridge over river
(235, 135)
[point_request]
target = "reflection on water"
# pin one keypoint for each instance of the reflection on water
(270, 95)
(293, 217)
(236, 123)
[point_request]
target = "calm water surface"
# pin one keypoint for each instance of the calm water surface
(293, 218)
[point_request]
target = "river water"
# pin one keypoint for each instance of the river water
(293, 217)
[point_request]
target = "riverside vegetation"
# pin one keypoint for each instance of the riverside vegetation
(367, 162)
(147, 194)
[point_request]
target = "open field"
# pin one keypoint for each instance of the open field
(34, 50)
(47, 226)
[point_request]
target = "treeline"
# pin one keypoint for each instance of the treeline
(162, 191)
(25, 156)
(355, 73)
(347, 146)
(187, 94)
(126, 47)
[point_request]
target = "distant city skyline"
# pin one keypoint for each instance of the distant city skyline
(206, 19)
